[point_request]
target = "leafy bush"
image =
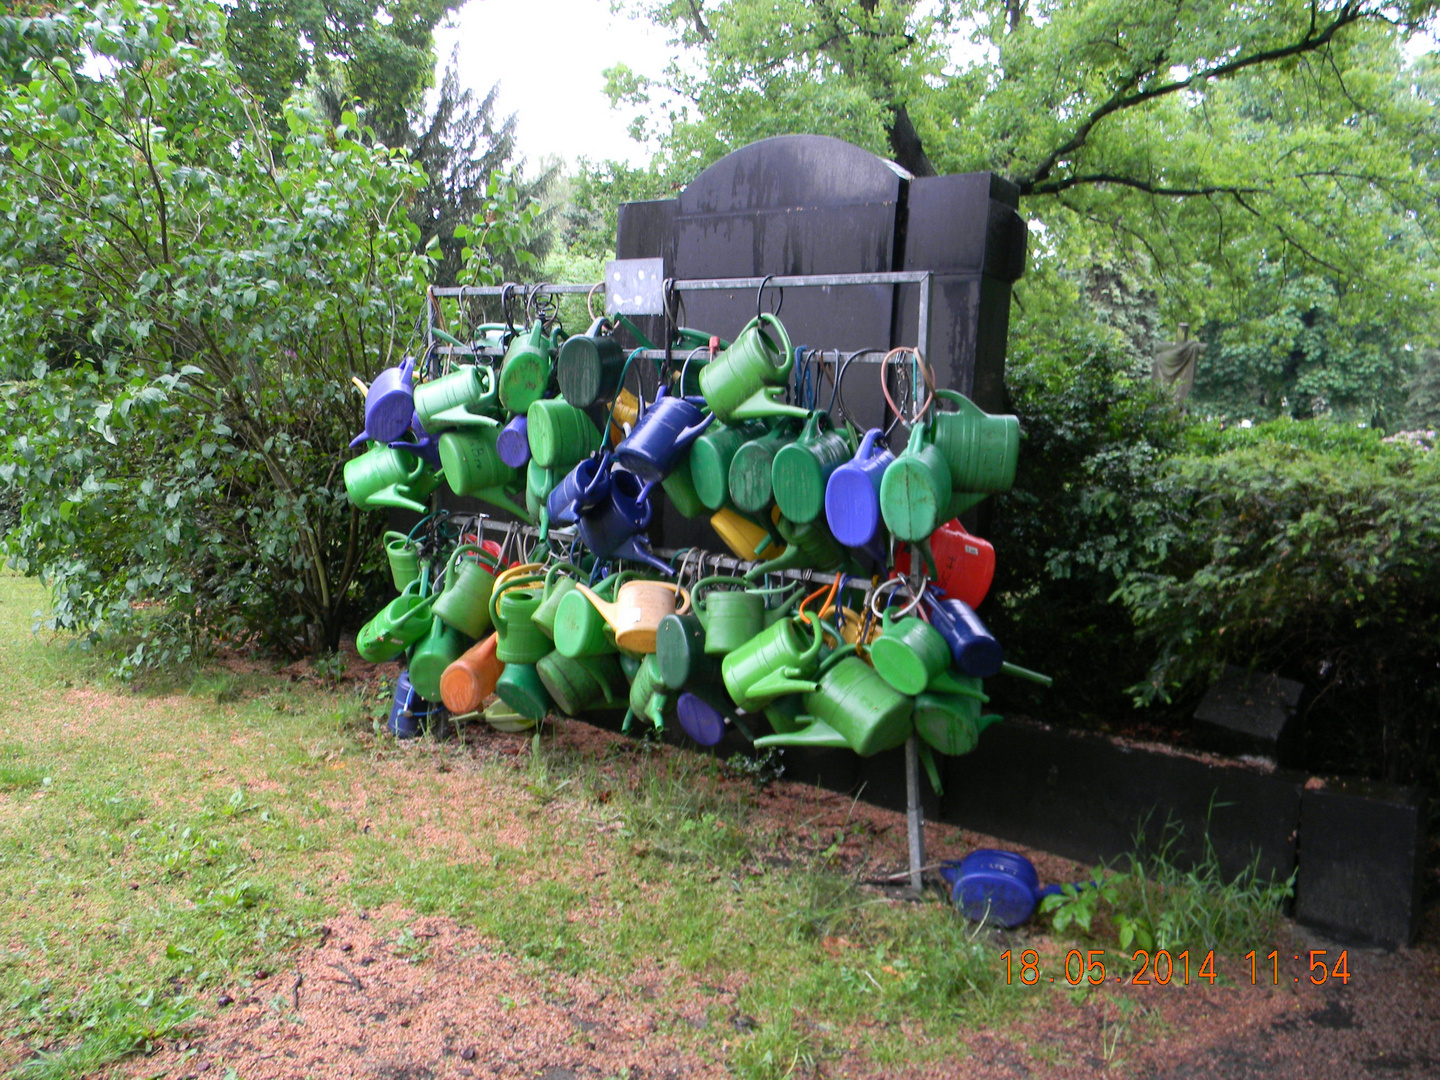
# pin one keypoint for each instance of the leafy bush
(1307, 548)
(177, 463)
(1080, 517)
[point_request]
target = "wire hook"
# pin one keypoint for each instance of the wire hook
(760, 299)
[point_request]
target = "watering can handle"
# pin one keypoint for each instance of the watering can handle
(424, 607)
(786, 349)
(694, 431)
(501, 588)
(550, 573)
(455, 555)
(812, 650)
(867, 444)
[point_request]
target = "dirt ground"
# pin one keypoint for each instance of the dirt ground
(450, 1004)
(435, 1000)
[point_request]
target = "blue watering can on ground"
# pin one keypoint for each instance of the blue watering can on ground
(996, 886)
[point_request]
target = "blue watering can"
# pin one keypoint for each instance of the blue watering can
(662, 435)
(998, 886)
(389, 404)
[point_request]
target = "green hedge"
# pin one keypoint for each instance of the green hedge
(1140, 552)
(1307, 548)
(1079, 518)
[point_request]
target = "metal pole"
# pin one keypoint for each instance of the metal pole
(914, 812)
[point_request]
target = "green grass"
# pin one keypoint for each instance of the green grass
(158, 846)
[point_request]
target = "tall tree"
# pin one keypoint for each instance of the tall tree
(380, 56)
(458, 145)
(1199, 137)
(181, 477)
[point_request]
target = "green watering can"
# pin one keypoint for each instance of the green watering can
(802, 469)
(679, 488)
(512, 611)
(751, 481)
(746, 381)
(465, 603)
(710, 458)
(680, 654)
(560, 435)
(556, 589)
(397, 626)
(577, 684)
(915, 492)
(952, 723)
(435, 652)
(580, 628)
(910, 653)
(525, 371)
(464, 398)
(521, 687)
(732, 618)
(387, 477)
(850, 705)
(404, 559)
(473, 467)
(774, 663)
(981, 450)
(589, 365)
(647, 695)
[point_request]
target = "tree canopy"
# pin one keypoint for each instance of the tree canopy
(361, 52)
(1210, 148)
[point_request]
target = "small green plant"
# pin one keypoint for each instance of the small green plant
(1156, 902)
(329, 666)
(1075, 905)
(761, 769)
(410, 947)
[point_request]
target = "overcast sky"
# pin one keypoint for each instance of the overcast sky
(547, 56)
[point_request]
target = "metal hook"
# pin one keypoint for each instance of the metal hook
(760, 298)
(672, 301)
(590, 298)
(839, 394)
(685, 367)
(894, 583)
(506, 288)
(924, 368)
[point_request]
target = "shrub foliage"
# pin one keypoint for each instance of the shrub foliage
(185, 304)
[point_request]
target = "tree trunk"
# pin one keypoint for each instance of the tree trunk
(905, 144)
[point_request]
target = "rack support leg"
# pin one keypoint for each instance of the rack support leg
(914, 812)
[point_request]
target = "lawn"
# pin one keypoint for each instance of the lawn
(233, 872)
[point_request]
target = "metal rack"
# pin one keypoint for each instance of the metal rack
(915, 820)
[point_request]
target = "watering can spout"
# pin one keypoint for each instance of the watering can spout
(816, 733)
(500, 498)
(694, 431)
(609, 611)
(637, 549)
